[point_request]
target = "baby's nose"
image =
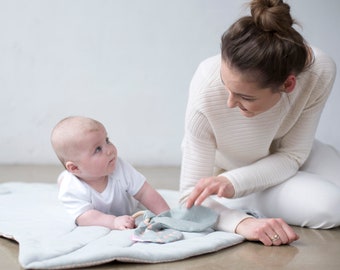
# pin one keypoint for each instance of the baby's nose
(109, 150)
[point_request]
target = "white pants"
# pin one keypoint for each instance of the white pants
(311, 198)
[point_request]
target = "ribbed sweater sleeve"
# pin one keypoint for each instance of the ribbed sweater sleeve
(295, 135)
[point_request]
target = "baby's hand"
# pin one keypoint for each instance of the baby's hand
(124, 222)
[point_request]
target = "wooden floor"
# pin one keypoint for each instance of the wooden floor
(316, 249)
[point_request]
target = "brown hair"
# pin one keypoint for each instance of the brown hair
(265, 45)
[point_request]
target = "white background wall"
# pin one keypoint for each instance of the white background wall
(127, 63)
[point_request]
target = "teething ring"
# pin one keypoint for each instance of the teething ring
(140, 213)
(137, 214)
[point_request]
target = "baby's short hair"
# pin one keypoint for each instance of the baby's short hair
(66, 132)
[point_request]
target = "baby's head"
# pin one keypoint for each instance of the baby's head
(66, 136)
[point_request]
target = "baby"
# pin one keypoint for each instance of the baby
(98, 188)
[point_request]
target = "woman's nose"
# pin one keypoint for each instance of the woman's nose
(232, 100)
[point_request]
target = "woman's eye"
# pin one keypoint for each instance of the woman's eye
(108, 141)
(248, 99)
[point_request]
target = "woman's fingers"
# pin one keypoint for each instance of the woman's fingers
(205, 187)
(269, 231)
(199, 194)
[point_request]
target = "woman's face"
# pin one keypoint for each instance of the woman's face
(245, 94)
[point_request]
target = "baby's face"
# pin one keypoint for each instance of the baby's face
(98, 155)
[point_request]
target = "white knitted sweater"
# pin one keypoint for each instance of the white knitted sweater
(253, 153)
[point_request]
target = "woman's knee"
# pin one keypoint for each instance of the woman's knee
(324, 160)
(305, 200)
(324, 213)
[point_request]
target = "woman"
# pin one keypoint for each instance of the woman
(251, 119)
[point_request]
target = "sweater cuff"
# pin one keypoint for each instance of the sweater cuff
(230, 219)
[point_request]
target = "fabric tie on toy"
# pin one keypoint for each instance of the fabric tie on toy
(167, 226)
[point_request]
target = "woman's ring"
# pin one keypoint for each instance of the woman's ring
(275, 238)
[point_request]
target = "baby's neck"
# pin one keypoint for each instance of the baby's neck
(98, 185)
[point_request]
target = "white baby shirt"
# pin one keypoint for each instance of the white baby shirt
(117, 198)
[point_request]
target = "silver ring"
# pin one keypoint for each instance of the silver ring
(275, 238)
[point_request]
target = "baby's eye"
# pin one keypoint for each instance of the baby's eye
(98, 149)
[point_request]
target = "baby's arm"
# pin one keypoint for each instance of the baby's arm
(151, 199)
(97, 218)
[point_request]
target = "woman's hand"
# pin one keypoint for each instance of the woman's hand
(215, 185)
(269, 231)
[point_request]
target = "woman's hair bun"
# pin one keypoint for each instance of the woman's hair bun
(271, 15)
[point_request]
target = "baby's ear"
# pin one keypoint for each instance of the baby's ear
(71, 167)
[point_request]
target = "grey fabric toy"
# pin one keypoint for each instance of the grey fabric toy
(167, 226)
